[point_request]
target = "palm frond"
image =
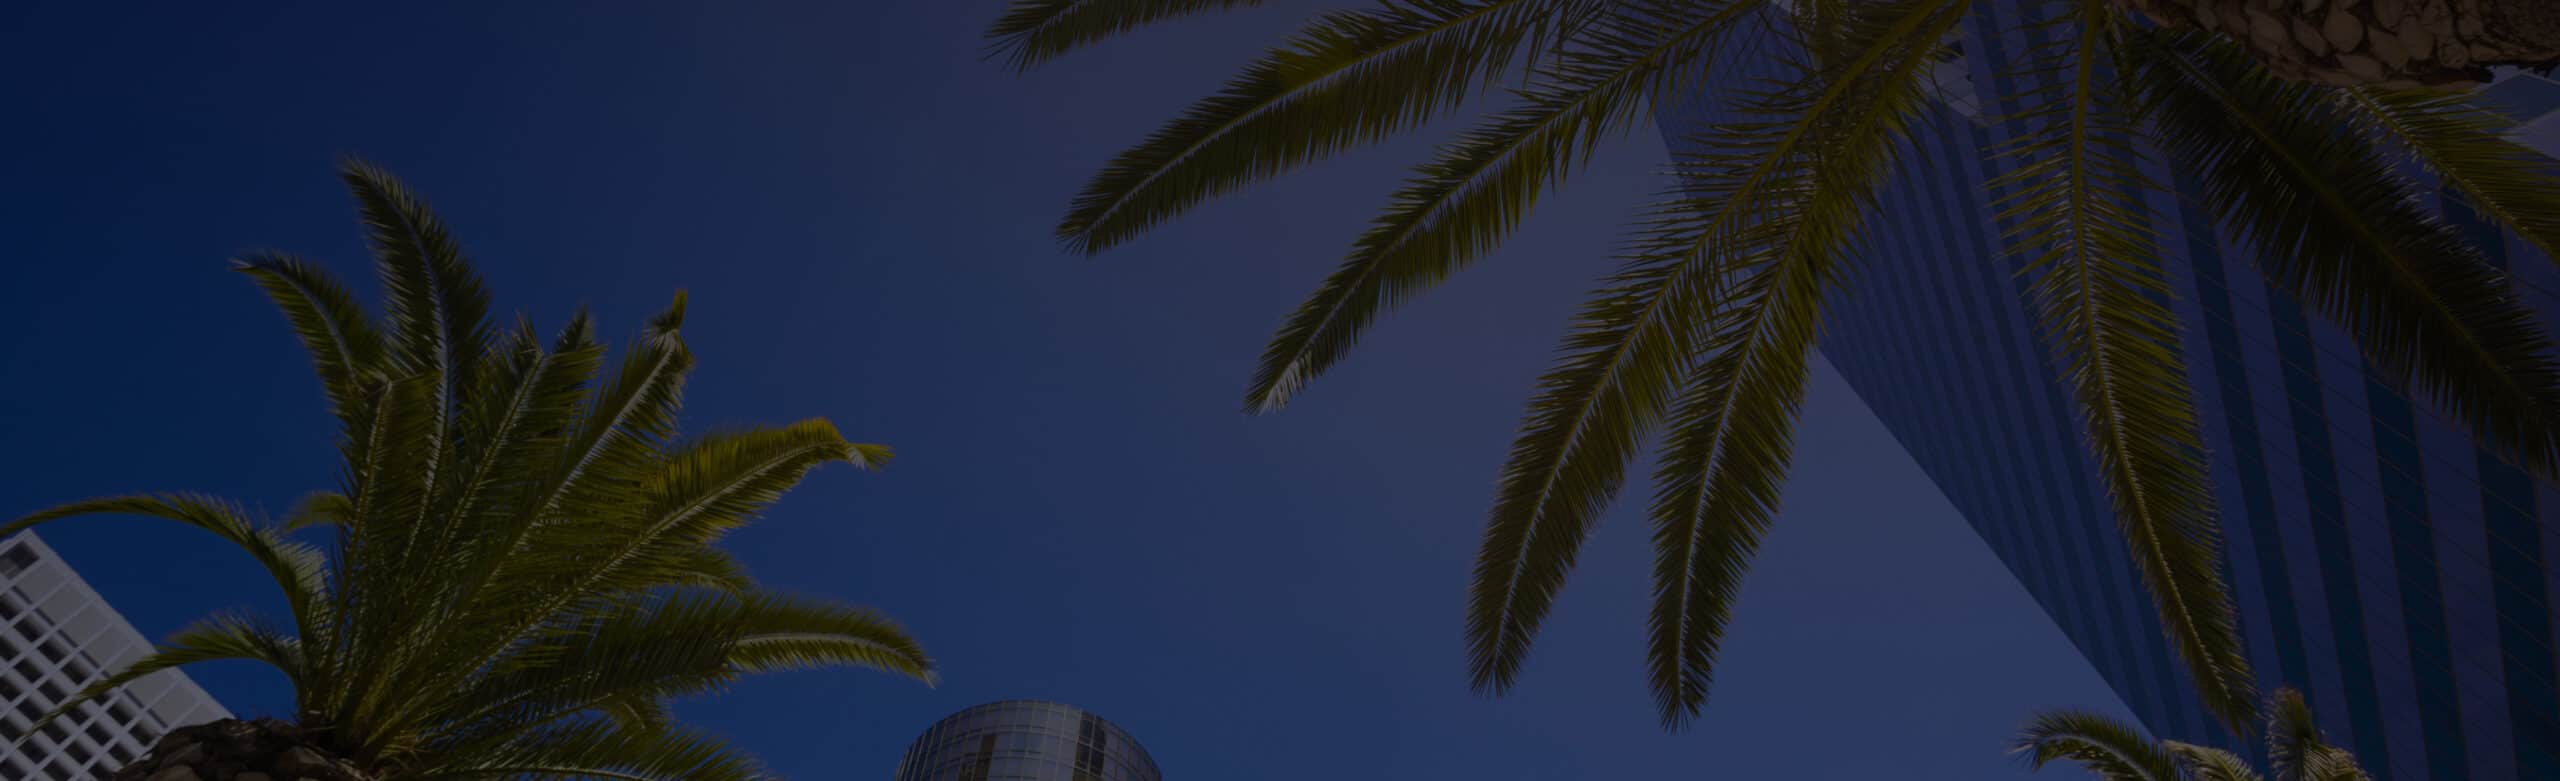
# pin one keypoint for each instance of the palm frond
(1032, 32)
(318, 509)
(2296, 751)
(2463, 142)
(437, 308)
(2101, 297)
(437, 311)
(530, 398)
(223, 637)
(390, 482)
(785, 633)
(639, 713)
(614, 444)
(650, 646)
(603, 749)
(664, 644)
(2329, 222)
(698, 494)
(334, 328)
(1474, 193)
(1635, 342)
(1349, 79)
(2204, 763)
(2111, 749)
(1771, 261)
(299, 571)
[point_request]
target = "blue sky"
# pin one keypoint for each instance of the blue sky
(860, 209)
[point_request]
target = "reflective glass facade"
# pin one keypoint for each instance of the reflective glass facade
(57, 636)
(2399, 576)
(1026, 740)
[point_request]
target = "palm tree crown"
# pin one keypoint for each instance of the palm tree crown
(520, 569)
(2115, 751)
(1700, 341)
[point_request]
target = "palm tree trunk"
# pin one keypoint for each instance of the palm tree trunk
(235, 750)
(2393, 43)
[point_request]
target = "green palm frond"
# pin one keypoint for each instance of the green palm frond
(2204, 763)
(2464, 143)
(1634, 345)
(1035, 31)
(2285, 169)
(1349, 79)
(601, 748)
(778, 633)
(2109, 749)
(2296, 751)
(299, 570)
(2115, 750)
(218, 638)
(639, 714)
(667, 644)
(334, 328)
(525, 566)
(1769, 261)
(2101, 295)
(319, 509)
(1474, 193)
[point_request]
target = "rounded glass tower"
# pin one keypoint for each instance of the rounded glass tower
(1026, 740)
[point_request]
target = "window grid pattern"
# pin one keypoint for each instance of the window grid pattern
(57, 636)
(2380, 562)
(1026, 740)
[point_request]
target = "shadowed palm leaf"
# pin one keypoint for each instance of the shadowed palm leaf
(2117, 751)
(1701, 338)
(2108, 748)
(523, 566)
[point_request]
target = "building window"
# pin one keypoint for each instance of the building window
(16, 560)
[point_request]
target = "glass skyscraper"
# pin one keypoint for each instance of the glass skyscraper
(56, 636)
(1026, 740)
(2397, 575)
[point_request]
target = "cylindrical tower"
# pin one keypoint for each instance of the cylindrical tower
(1026, 740)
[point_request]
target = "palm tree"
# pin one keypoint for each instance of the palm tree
(521, 570)
(1700, 342)
(2116, 751)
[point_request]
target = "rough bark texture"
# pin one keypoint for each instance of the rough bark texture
(235, 750)
(2396, 43)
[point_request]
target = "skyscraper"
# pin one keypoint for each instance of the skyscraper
(1026, 740)
(2381, 563)
(58, 637)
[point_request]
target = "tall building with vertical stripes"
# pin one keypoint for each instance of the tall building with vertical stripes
(2402, 578)
(57, 636)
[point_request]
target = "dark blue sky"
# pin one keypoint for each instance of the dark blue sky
(860, 208)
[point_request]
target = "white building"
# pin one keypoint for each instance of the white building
(56, 636)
